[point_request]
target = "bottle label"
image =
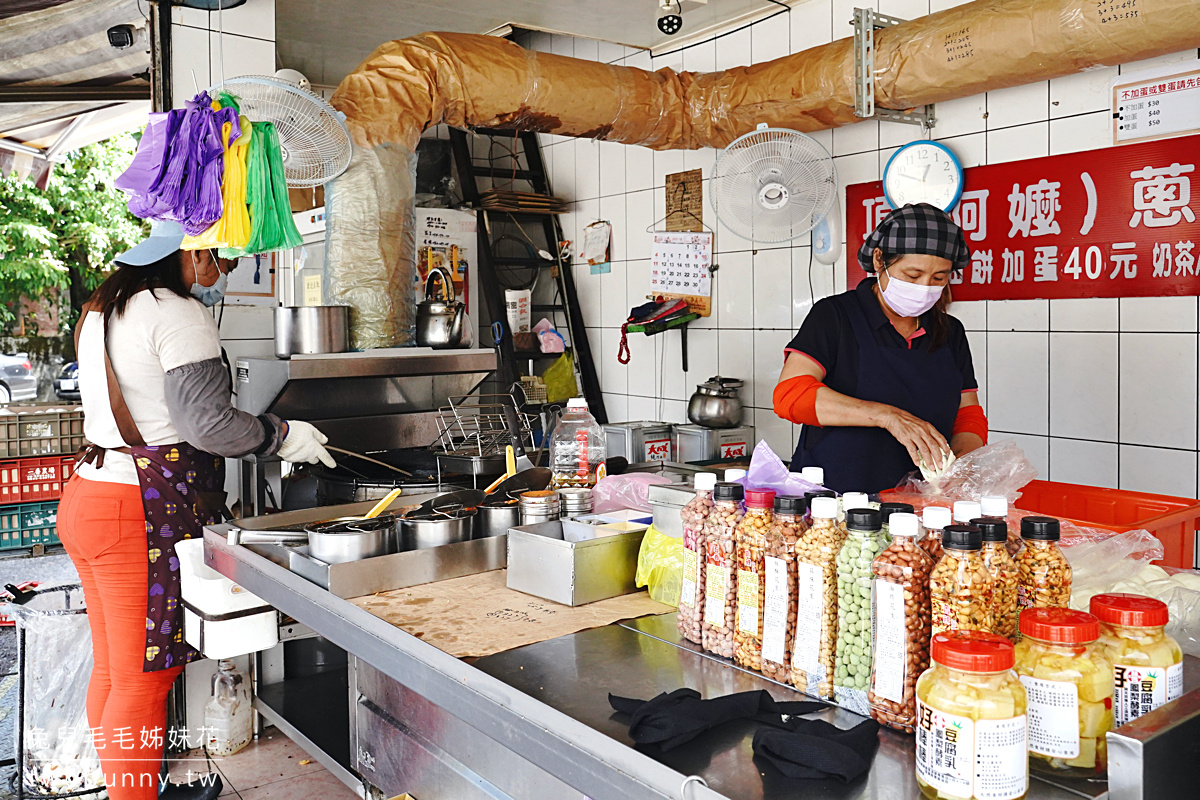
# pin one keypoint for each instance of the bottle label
(716, 582)
(891, 641)
(747, 595)
(1053, 717)
(942, 616)
(810, 599)
(1001, 758)
(691, 578)
(986, 760)
(775, 611)
(1140, 690)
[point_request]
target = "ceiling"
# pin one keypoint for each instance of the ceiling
(325, 42)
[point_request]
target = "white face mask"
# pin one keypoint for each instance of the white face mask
(209, 295)
(910, 299)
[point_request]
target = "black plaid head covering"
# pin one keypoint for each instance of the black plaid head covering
(919, 228)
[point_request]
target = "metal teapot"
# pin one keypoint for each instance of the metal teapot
(441, 323)
(716, 403)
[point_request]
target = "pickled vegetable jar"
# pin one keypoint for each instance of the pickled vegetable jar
(779, 570)
(934, 519)
(1147, 664)
(960, 587)
(971, 724)
(1045, 575)
(1068, 680)
(691, 598)
(817, 600)
(852, 662)
(750, 539)
(720, 571)
(1005, 575)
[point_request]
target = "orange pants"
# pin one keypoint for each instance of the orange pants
(103, 529)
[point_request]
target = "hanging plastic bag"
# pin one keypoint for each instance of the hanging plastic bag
(271, 224)
(996, 469)
(619, 492)
(233, 228)
(767, 471)
(560, 380)
(660, 567)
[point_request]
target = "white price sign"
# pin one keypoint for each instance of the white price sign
(1154, 107)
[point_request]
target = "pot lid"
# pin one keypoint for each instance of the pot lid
(718, 384)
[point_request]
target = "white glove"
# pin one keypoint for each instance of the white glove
(303, 443)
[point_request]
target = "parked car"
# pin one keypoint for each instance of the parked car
(66, 385)
(17, 381)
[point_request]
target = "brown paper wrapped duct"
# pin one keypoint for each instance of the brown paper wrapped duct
(464, 80)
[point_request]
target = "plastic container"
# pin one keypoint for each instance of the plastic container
(30, 480)
(1068, 680)
(1045, 574)
(997, 506)
(28, 524)
(41, 430)
(900, 616)
(732, 475)
(814, 475)
(966, 510)
(815, 642)
(885, 512)
(1005, 575)
(852, 660)
(854, 500)
(779, 569)
(808, 498)
(750, 539)
(720, 570)
(960, 588)
(934, 519)
(578, 447)
(971, 722)
(220, 618)
(693, 515)
(1147, 664)
(228, 716)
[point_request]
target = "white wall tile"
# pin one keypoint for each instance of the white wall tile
(733, 50)
(674, 411)
(895, 134)
(612, 167)
(639, 168)
(637, 285)
(971, 149)
(609, 52)
(562, 45)
(1083, 385)
(243, 55)
(670, 366)
(962, 116)
(904, 9)
(612, 208)
(735, 359)
(775, 432)
(1017, 382)
(562, 171)
(614, 308)
(1084, 314)
(666, 162)
(1153, 314)
(1018, 315)
(616, 374)
(770, 38)
(587, 49)
(703, 360)
(641, 408)
(189, 63)
(1083, 463)
(1158, 389)
(1080, 132)
(735, 289)
(588, 287)
(701, 57)
(1158, 471)
(773, 289)
(643, 368)
(1082, 92)
(971, 313)
(812, 24)
(595, 337)
(1018, 143)
(1018, 105)
(858, 137)
(1036, 449)
(1157, 62)
(768, 361)
(617, 406)
(587, 169)
(639, 59)
(811, 280)
(639, 215)
(858, 168)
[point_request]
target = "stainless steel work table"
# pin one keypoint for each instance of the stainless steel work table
(547, 703)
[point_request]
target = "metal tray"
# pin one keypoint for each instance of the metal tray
(542, 563)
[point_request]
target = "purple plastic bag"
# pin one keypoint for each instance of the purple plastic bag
(767, 471)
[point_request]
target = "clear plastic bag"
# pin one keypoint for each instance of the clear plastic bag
(618, 492)
(660, 566)
(1104, 561)
(997, 469)
(1184, 627)
(767, 471)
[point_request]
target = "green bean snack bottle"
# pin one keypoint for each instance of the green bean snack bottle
(852, 666)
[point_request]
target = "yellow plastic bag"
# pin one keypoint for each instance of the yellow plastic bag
(560, 380)
(660, 566)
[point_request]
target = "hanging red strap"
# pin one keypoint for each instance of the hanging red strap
(623, 349)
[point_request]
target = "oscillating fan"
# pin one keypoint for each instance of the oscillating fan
(775, 185)
(312, 134)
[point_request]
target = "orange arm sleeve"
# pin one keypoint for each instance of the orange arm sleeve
(795, 399)
(971, 419)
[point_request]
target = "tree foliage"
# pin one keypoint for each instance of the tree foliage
(65, 237)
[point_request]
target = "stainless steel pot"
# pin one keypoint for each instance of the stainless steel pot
(716, 403)
(495, 520)
(436, 529)
(344, 539)
(311, 329)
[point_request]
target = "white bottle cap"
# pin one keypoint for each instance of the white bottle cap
(934, 517)
(577, 402)
(814, 475)
(705, 481)
(732, 475)
(901, 523)
(855, 500)
(967, 510)
(824, 508)
(994, 506)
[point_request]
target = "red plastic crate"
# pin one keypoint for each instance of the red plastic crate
(27, 480)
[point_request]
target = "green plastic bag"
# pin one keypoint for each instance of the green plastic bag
(560, 380)
(272, 226)
(660, 566)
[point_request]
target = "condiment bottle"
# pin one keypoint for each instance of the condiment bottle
(852, 664)
(966, 510)
(751, 539)
(1045, 574)
(1147, 664)
(808, 498)
(691, 598)
(1005, 575)
(971, 723)
(900, 616)
(960, 588)
(997, 506)
(853, 500)
(720, 575)
(1068, 680)
(779, 604)
(934, 519)
(817, 600)
(814, 475)
(885, 512)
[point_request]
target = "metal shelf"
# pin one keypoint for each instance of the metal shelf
(314, 712)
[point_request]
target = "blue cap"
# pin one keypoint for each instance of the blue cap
(166, 235)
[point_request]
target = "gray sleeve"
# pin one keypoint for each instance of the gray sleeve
(199, 400)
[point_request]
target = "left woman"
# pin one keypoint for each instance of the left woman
(157, 403)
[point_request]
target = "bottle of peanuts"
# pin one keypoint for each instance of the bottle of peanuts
(852, 665)
(817, 600)
(720, 572)
(1004, 572)
(808, 498)
(751, 538)
(960, 587)
(885, 512)
(693, 515)
(997, 506)
(900, 612)
(779, 570)
(934, 519)
(1045, 574)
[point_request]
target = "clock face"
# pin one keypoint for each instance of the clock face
(923, 172)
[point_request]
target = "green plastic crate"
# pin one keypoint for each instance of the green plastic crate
(27, 524)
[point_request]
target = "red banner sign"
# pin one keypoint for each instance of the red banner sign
(1119, 222)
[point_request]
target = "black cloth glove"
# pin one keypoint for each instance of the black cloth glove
(814, 749)
(670, 720)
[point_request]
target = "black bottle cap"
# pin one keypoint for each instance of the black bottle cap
(887, 509)
(1043, 529)
(862, 519)
(785, 504)
(728, 491)
(993, 529)
(808, 496)
(962, 537)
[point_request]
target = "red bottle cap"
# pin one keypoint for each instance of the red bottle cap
(1132, 610)
(760, 498)
(972, 651)
(1060, 625)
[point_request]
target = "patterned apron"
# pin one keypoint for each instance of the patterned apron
(183, 489)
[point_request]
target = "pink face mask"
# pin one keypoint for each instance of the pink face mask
(910, 299)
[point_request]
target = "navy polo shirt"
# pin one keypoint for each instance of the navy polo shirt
(827, 337)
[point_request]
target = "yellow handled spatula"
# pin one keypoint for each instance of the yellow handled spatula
(383, 504)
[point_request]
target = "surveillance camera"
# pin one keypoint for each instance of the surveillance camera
(670, 24)
(123, 37)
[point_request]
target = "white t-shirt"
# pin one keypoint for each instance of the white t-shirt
(158, 332)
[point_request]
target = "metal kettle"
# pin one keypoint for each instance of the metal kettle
(441, 323)
(716, 403)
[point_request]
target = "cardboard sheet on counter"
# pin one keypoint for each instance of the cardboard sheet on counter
(478, 615)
